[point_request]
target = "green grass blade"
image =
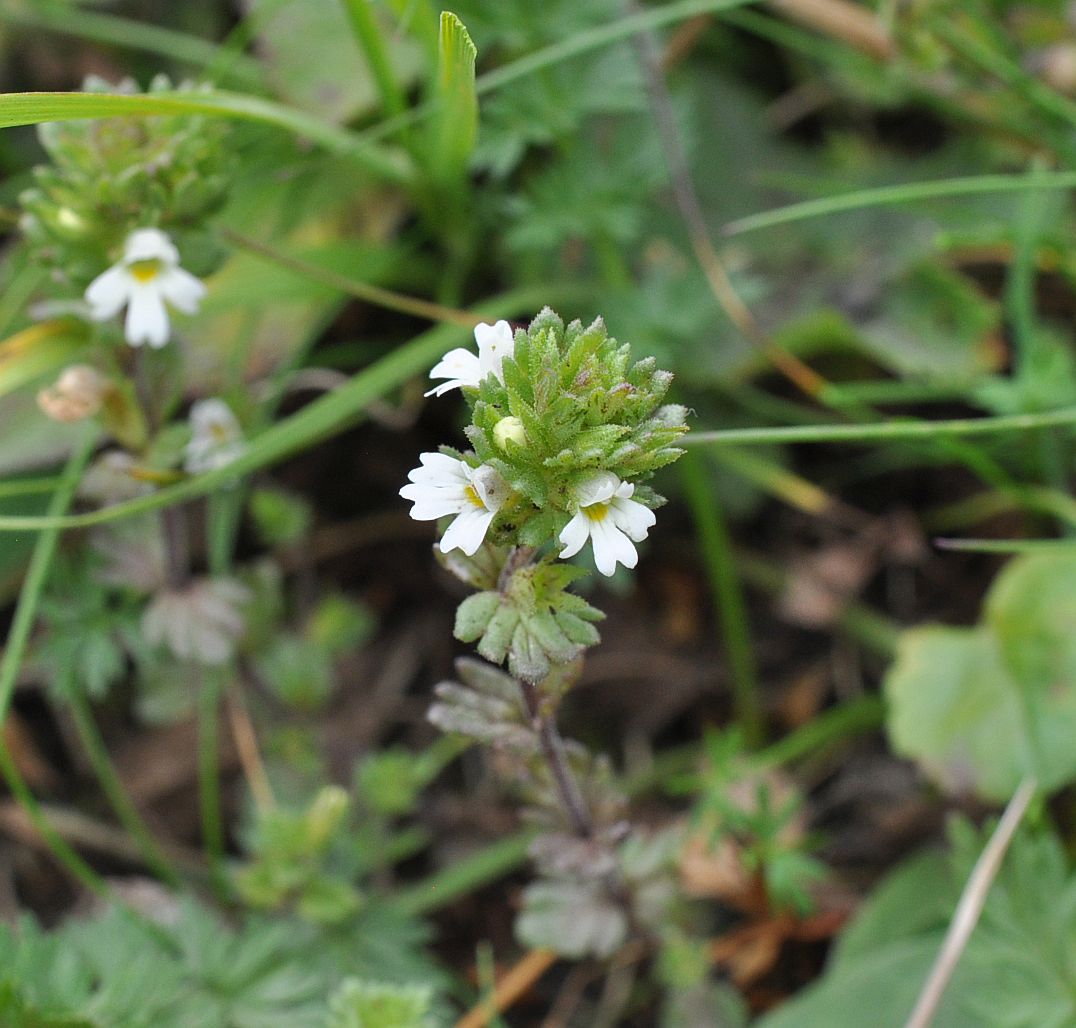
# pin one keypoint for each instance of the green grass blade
(716, 547)
(18, 638)
(910, 192)
(564, 50)
(371, 39)
(456, 121)
(33, 108)
(113, 30)
(884, 430)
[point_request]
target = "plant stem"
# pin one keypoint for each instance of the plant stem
(209, 774)
(176, 550)
(728, 598)
(369, 36)
(117, 795)
(970, 906)
(17, 640)
(553, 750)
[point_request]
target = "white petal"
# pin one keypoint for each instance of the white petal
(181, 289)
(632, 517)
(431, 506)
(492, 490)
(574, 535)
(599, 488)
(497, 336)
(467, 531)
(107, 293)
(441, 471)
(147, 319)
(459, 365)
(150, 244)
(611, 545)
(446, 387)
(495, 342)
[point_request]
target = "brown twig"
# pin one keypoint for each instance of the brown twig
(516, 982)
(246, 745)
(848, 22)
(360, 290)
(970, 906)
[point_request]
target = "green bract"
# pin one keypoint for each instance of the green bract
(533, 621)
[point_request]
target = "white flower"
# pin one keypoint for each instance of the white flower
(148, 275)
(444, 485)
(463, 368)
(610, 519)
(216, 438)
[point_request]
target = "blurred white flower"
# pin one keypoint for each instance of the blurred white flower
(444, 485)
(148, 275)
(463, 368)
(216, 438)
(200, 622)
(610, 519)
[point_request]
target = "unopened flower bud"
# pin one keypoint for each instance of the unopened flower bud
(77, 394)
(324, 816)
(512, 429)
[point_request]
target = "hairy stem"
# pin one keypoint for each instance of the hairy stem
(555, 756)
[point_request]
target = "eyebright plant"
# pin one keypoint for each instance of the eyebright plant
(565, 431)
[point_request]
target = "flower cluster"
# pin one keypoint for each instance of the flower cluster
(564, 432)
(111, 176)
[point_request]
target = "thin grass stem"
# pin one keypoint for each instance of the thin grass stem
(114, 790)
(14, 650)
(729, 606)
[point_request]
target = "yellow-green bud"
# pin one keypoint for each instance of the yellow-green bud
(509, 428)
(329, 807)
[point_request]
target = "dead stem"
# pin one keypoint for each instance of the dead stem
(970, 906)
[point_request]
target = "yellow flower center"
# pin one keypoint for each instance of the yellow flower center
(596, 511)
(145, 271)
(472, 495)
(218, 432)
